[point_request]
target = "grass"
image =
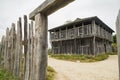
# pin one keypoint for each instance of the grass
(81, 58)
(50, 73)
(6, 75)
(112, 53)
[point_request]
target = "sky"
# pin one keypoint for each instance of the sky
(106, 10)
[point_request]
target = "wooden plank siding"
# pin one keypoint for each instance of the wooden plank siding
(89, 38)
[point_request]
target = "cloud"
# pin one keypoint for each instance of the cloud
(106, 10)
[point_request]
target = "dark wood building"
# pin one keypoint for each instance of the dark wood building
(88, 36)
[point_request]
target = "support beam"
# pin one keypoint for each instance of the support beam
(41, 27)
(118, 39)
(94, 40)
(48, 7)
(40, 56)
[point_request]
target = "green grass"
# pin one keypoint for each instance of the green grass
(112, 53)
(81, 58)
(6, 75)
(50, 73)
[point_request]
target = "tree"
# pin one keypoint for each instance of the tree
(114, 44)
(114, 39)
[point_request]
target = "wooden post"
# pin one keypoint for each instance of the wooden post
(94, 44)
(6, 49)
(18, 56)
(20, 48)
(66, 32)
(40, 56)
(41, 26)
(83, 32)
(28, 58)
(118, 39)
(32, 50)
(25, 42)
(9, 50)
(12, 46)
(2, 50)
(15, 54)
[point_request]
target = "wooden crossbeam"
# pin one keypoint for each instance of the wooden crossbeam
(48, 7)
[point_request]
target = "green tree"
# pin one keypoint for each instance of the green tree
(114, 44)
(114, 39)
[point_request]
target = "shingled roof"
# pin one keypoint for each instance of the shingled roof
(79, 20)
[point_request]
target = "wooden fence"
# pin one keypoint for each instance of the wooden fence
(17, 52)
(32, 64)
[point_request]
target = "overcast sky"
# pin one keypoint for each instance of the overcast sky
(106, 10)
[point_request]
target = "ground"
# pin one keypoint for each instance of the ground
(102, 70)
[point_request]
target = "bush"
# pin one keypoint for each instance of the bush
(49, 51)
(114, 47)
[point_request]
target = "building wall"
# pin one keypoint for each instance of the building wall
(86, 38)
(81, 46)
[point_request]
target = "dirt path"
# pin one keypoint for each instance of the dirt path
(103, 70)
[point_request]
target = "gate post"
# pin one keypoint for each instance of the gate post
(40, 57)
(40, 15)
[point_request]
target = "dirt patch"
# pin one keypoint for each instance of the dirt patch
(103, 70)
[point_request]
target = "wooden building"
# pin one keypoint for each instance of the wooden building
(88, 36)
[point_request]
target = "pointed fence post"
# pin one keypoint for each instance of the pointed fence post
(31, 50)
(25, 42)
(2, 50)
(6, 49)
(18, 57)
(27, 63)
